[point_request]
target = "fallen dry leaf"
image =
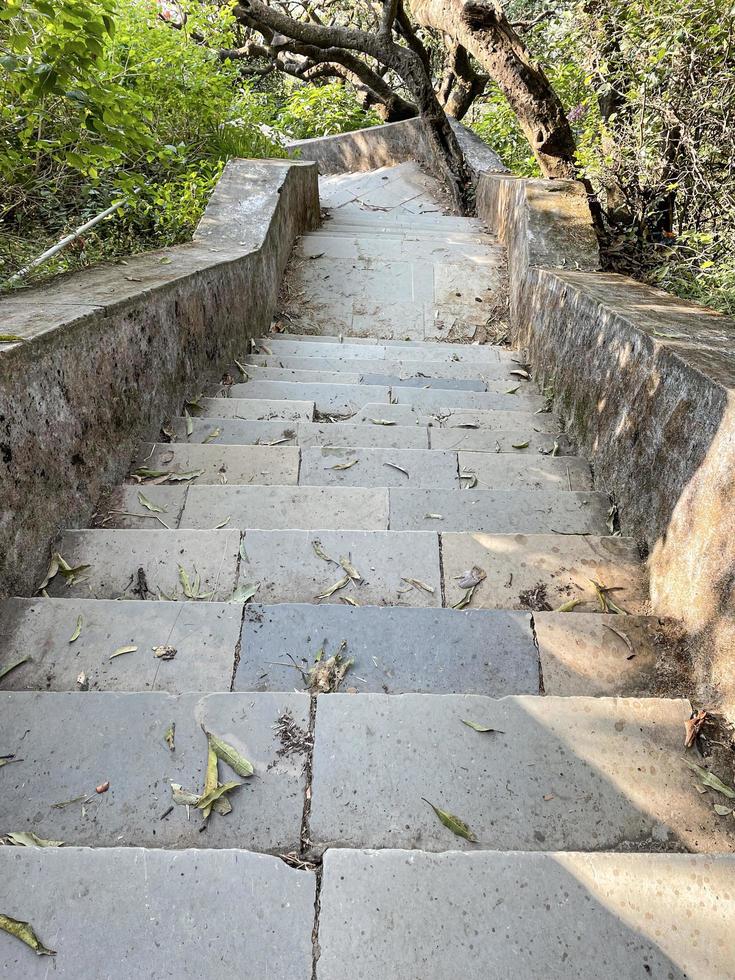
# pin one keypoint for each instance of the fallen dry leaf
(103, 787)
(692, 728)
(25, 932)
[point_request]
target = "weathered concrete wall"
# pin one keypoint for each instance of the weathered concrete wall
(646, 383)
(111, 351)
(385, 146)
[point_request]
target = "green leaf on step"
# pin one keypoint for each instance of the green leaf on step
(149, 505)
(182, 796)
(221, 524)
(4, 671)
(520, 373)
(169, 735)
(344, 466)
(568, 605)
(383, 422)
(229, 755)
(320, 553)
(350, 569)
(175, 477)
(121, 650)
(520, 445)
(78, 630)
(214, 434)
(713, 782)
(434, 517)
(243, 593)
(206, 802)
(457, 826)
(480, 728)
(211, 778)
(242, 370)
(24, 931)
(51, 573)
(349, 600)
(189, 423)
(146, 473)
(722, 811)
(31, 840)
(334, 588)
(11, 338)
(512, 391)
(186, 583)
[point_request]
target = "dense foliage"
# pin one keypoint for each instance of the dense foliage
(104, 101)
(650, 89)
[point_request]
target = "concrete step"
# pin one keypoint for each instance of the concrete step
(439, 400)
(426, 353)
(500, 511)
(222, 464)
(543, 571)
(598, 655)
(121, 564)
(395, 367)
(285, 567)
(259, 409)
(487, 916)
(257, 373)
(205, 636)
(335, 466)
(461, 419)
(570, 774)
(432, 651)
(128, 912)
(337, 508)
(237, 432)
(337, 399)
(504, 470)
(339, 243)
(75, 742)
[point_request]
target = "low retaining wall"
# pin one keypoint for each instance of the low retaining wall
(111, 351)
(388, 145)
(645, 382)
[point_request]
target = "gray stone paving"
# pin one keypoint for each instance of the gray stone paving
(129, 912)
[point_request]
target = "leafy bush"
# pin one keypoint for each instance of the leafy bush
(310, 111)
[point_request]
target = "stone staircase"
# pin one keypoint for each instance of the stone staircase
(372, 487)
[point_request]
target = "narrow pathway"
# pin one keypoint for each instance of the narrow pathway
(368, 560)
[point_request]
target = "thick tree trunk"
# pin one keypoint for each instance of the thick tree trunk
(483, 29)
(461, 84)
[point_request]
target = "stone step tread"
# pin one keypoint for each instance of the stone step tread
(349, 466)
(74, 743)
(286, 568)
(460, 420)
(557, 774)
(420, 345)
(366, 245)
(263, 409)
(433, 400)
(424, 352)
(121, 563)
(488, 371)
(205, 636)
(432, 651)
(531, 915)
(257, 373)
(504, 431)
(129, 912)
(544, 571)
(222, 464)
(339, 399)
(238, 432)
(502, 470)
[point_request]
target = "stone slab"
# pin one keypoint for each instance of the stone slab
(557, 774)
(221, 464)
(376, 468)
(489, 916)
(287, 507)
(285, 567)
(500, 440)
(316, 374)
(236, 432)
(408, 351)
(395, 367)
(561, 565)
(505, 470)
(436, 401)
(499, 511)
(116, 557)
(204, 634)
(129, 912)
(432, 651)
(423, 381)
(367, 435)
(258, 409)
(402, 415)
(71, 743)
(581, 655)
(513, 416)
(122, 507)
(337, 399)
